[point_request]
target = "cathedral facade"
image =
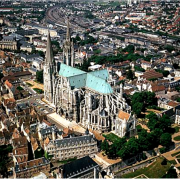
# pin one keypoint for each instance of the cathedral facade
(87, 98)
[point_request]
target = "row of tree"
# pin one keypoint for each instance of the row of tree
(146, 141)
(141, 100)
(120, 57)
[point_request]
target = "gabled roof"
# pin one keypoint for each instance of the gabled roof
(78, 166)
(68, 71)
(123, 115)
(95, 81)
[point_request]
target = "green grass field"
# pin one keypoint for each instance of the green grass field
(155, 170)
(39, 91)
(111, 137)
(29, 84)
(177, 153)
(177, 138)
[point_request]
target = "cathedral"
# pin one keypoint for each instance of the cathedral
(89, 98)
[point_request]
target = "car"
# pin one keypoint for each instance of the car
(41, 109)
(34, 104)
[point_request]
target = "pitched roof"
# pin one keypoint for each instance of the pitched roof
(72, 140)
(152, 74)
(20, 151)
(95, 81)
(156, 88)
(123, 115)
(97, 135)
(78, 166)
(172, 103)
(22, 73)
(8, 84)
(31, 164)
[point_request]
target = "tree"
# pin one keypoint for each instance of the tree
(143, 140)
(169, 48)
(1, 75)
(171, 173)
(141, 100)
(39, 76)
(112, 152)
(129, 48)
(164, 122)
(153, 120)
(176, 66)
(4, 159)
(130, 148)
(105, 146)
(165, 139)
(130, 75)
(137, 68)
(150, 98)
(137, 108)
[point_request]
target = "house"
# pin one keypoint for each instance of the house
(8, 42)
(2, 138)
(158, 89)
(145, 64)
(26, 47)
(177, 116)
(152, 74)
(31, 57)
(29, 168)
(20, 155)
(72, 147)
(51, 132)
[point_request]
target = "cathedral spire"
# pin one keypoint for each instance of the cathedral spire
(68, 30)
(49, 59)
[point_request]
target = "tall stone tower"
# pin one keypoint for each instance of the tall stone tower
(68, 48)
(49, 70)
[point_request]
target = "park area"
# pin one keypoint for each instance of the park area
(155, 170)
(111, 137)
(32, 84)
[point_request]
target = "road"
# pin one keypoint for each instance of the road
(27, 88)
(40, 106)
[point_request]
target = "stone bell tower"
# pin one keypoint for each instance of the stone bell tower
(49, 70)
(68, 48)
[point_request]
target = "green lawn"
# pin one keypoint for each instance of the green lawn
(178, 156)
(39, 153)
(175, 154)
(111, 137)
(29, 84)
(173, 162)
(20, 88)
(68, 160)
(177, 138)
(39, 91)
(155, 170)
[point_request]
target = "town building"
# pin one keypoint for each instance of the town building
(68, 148)
(29, 168)
(8, 42)
(84, 168)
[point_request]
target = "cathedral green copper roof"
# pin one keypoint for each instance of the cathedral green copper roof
(67, 71)
(100, 73)
(95, 81)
